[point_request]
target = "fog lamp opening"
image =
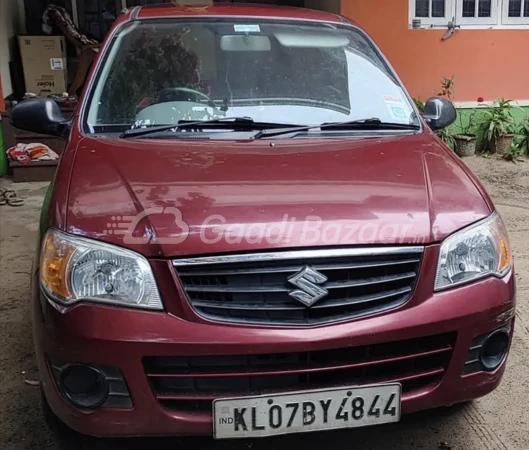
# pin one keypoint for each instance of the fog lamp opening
(84, 386)
(494, 349)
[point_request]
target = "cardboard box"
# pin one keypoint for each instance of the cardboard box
(44, 63)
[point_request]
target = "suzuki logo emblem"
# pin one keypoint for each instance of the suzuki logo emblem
(308, 281)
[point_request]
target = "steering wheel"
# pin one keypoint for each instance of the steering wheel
(165, 95)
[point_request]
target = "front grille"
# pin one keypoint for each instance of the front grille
(192, 383)
(254, 288)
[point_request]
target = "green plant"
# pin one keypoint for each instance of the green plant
(447, 91)
(447, 137)
(498, 121)
(522, 137)
(419, 104)
(514, 154)
(447, 87)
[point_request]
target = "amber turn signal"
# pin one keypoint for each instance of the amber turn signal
(504, 246)
(505, 255)
(55, 258)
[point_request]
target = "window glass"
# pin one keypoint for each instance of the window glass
(469, 8)
(422, 8)
(485, 8)
(438, 8)
(493, 13)
(161, 72)
(515, 8)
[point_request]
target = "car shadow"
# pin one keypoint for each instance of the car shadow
(414, 431)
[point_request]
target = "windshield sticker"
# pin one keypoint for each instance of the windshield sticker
(399, 113)
(396, 108)
(247, 28)
(392, 99)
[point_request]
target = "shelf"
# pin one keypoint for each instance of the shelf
(33, 171)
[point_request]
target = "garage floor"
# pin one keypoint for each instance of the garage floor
(497, 422)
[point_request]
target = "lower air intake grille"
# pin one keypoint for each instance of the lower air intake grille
(191, 383)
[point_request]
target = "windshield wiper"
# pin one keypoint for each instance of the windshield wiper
(246, 123)
(373, 123)
(136, 132)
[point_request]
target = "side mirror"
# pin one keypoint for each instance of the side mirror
(439, 113)
(39, 115)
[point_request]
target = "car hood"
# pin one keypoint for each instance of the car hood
(182, 197)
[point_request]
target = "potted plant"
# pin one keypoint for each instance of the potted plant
(465, 141)
(521, 139)
(498, 127)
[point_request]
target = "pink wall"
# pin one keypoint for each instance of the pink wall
(486, 63)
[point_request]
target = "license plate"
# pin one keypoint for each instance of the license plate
(272, 415)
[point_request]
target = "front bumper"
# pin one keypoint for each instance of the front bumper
(121, 338)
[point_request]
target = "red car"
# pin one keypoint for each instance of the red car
(253, 231)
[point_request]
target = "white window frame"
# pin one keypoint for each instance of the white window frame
(506, 20)
(432, 21)
(454, 12)
(493, 20)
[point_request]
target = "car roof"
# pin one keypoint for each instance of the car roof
(234, 10)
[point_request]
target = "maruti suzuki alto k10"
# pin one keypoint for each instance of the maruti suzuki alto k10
(253, 231)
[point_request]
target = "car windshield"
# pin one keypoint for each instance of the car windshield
(162, 72)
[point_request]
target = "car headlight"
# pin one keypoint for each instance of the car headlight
(475, 252)
(75, 269)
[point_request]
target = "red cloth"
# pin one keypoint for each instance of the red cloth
(25, 153)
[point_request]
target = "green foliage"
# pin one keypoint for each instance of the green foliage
(447, 91)
(522, 137)
(447, 87)
(419, 104)
(447, 137)
(514, 154)
(497, 121)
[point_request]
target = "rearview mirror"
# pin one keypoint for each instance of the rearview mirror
(243, 43)
(39, 115)
(439, 113)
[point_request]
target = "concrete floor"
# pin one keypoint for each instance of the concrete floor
(497, 422)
